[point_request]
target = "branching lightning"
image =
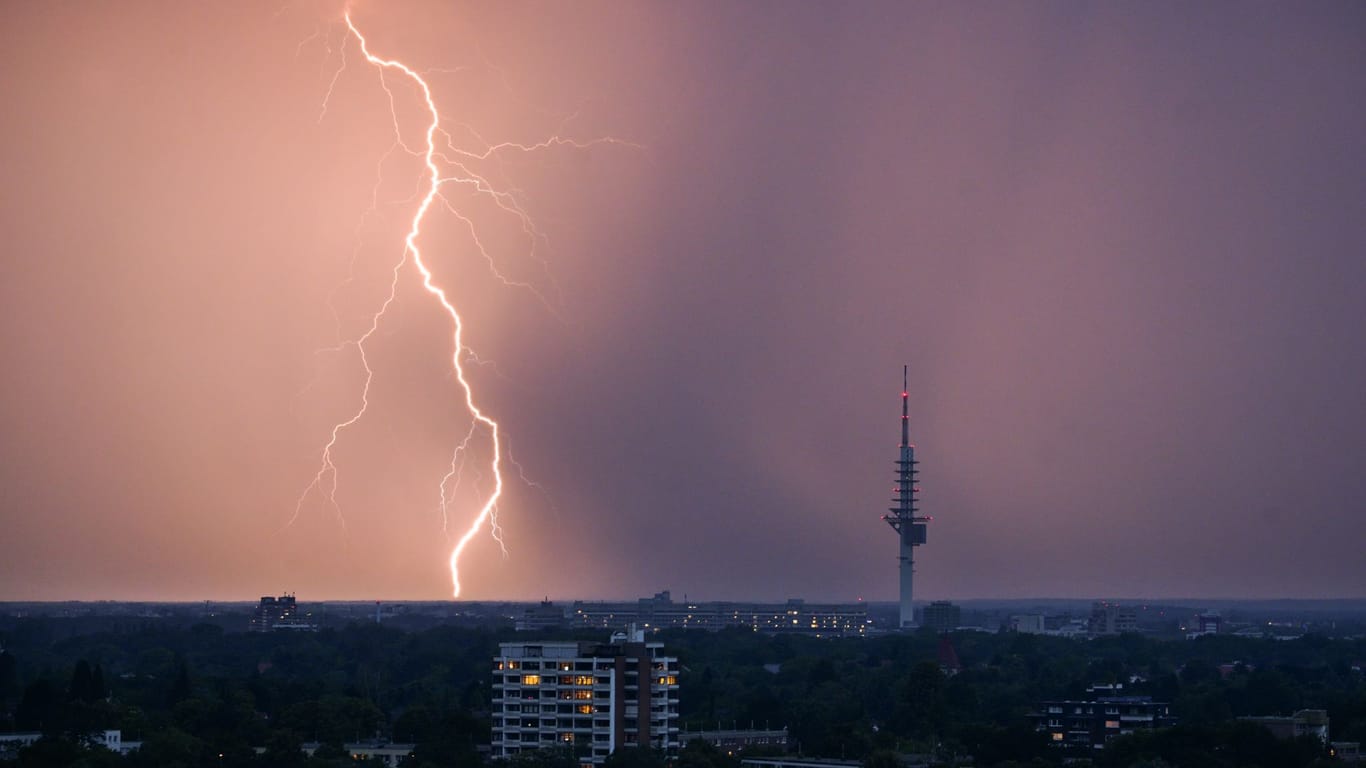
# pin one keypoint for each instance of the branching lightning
(444, 165)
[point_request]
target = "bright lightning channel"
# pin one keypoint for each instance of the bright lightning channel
(325, 481)
(410, 247)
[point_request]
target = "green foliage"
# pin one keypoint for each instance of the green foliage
(921, 706)
(699, 754)
(9, 677)
(82, 687)
(180, 688)
(194, 694)
(563, 757)
(40, 708)
(170, 748)
(634, 757)
(1229, 745)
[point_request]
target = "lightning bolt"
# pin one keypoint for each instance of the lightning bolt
(457, 161)
(326, 478)
(411, 249)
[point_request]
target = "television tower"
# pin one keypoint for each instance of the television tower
(904, 518)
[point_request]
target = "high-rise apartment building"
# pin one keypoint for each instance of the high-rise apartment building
(942, 616)
(272, 611)
(1112, 619)
(593, 698)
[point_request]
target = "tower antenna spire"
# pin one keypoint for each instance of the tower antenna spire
(905, 404)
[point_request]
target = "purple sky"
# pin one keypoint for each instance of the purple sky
(1122, 247)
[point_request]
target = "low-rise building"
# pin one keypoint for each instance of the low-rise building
(541, 618)
(380, 752)
(797, 762)
(737, 740)
(112, 740)
(661, 612)
(1306, 722)
(1345, 751)
(1091, 724)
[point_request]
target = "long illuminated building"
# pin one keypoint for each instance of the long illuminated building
(661, 612)
(905, 516)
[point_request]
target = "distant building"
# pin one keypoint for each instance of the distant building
(1074, 628)
(942, 616)
(1030, 624)
(1306, 722)
(11, 743)
(1112, 619)
(112, 740)
(540, 618)
(279, 613)
(379, 752)
(1345, 751)
(661, 612)
(1205, 624)
(590, 697)
(1091, 724)
(738, 740)
(797, 762)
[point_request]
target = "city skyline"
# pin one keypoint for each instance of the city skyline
(1119, 247)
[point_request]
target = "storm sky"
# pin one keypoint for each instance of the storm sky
(1121, 246)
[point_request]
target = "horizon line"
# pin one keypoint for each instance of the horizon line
(886, 601)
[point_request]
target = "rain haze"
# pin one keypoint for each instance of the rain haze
(1121, 246)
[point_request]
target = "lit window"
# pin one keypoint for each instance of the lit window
(531, 679)
(1057, 737)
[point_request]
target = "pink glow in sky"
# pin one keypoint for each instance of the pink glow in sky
(1122, 248)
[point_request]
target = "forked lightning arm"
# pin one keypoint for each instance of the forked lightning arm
(458, 172)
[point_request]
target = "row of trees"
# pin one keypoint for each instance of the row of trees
(200, 696)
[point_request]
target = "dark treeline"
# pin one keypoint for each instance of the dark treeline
(201, 696)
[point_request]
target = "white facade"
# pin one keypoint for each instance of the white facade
(384, 753)
(112, 740)
(592, 698)
(1029, 624)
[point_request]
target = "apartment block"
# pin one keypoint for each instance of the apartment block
(590, 698)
